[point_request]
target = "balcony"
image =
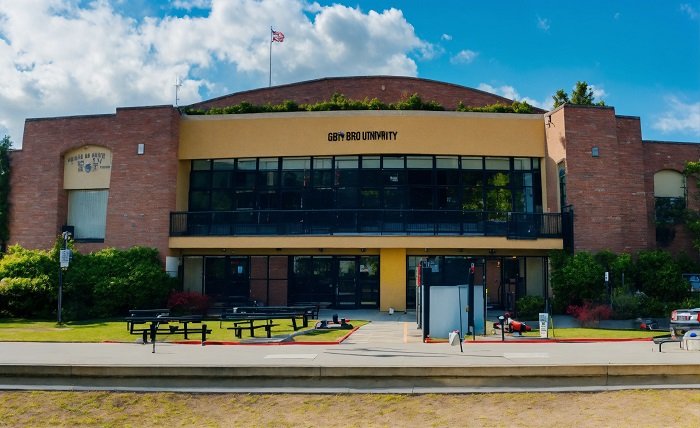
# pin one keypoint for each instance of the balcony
(366, 222)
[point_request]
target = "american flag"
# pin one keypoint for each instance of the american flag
(277, 36)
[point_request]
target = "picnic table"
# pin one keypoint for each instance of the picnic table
(151, 322)
(252, 318)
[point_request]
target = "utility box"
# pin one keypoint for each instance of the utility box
(691, 340)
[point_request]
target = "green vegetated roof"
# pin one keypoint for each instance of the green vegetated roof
(339, 102)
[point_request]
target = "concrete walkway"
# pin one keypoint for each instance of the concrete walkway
(386, 355)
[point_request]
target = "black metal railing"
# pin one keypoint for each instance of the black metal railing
(366, 222)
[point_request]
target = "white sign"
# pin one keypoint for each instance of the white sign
(544, 324)
(607, 276)
(64, 258)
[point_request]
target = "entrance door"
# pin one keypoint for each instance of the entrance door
(346, 291)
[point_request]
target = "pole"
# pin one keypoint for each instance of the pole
(269, 84)
(64, 236)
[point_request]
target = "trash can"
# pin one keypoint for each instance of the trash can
(691, 340)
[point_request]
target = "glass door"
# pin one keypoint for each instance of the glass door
(346, 291)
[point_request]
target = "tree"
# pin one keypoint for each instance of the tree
(582, 94)
(5, 145)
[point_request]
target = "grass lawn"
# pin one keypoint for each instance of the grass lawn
(20, 330)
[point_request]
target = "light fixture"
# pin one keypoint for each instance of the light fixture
(595, 152)
(492, 251)
(140, 148)
(363, 250)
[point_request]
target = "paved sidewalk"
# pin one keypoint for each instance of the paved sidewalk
(385, 355)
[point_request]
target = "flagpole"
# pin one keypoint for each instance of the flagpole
(270, 81)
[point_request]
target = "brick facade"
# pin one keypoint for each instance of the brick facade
(142, 188)
(612, 194)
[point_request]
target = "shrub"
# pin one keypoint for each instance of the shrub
(588, 314)
(27, 297)
(626, 305)
(529, 307)
(188, 303)
(576, 279)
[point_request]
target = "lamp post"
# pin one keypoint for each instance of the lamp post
(64, 261)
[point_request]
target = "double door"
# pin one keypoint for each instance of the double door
(357, 284)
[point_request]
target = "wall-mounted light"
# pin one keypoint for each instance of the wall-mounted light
(140, 148)
(492, 251)
(363, 250)
(595, 152)
(548, 121)
(320, 250)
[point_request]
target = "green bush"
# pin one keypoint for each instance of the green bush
(27, 297)
(102, 284)
(577, 279)
(660, 277)
(529, 307)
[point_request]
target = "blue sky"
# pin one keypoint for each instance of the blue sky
(67, 57)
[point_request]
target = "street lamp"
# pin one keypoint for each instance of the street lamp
(64, 261)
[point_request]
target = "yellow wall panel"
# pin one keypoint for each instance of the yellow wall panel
(392, 279)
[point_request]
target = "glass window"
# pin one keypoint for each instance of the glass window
(396, 162)
(199, 200)
(247, 164)
(201, 165)
(296, 163)
(323, 163)
(200, 179)
(419, 162)
(244, 200)
(369, 198)
(394, 177)
(393, 198)
(87, 213)
(421, 198)
(498, 163)
(472, 163)
(348, 162)
(371, 162)
(221, 200)
(222, 179)
(447, 162)
(448, 198)
(347, 197)
(224, 164)
(522, 164)
(269, 164)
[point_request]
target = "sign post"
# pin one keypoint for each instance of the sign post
(544, 325)
(64, 261)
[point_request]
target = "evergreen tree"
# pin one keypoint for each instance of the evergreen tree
(582, 94)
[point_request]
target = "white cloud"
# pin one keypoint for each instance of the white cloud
(446, 37)
(64, 57)
(690, 11)
(598, 92)
(511, 93)
(683, 117)
(543, 24)
(464, 57)
(192, 4)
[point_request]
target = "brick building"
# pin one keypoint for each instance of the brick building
(339, 207)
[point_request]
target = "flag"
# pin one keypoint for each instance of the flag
(277, 36)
